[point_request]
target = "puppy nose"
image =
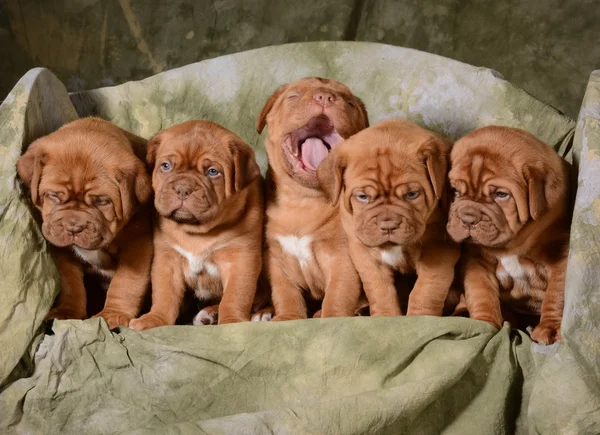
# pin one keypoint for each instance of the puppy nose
(470, 217)
(388, 223)
(325, 99)
(74, 227)
(183, 190)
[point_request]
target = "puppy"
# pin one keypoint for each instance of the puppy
(389, 180)
(307, 251)
(89, 186)
(511, 208)
(208, 237)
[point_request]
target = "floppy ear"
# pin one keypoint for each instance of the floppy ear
(135, 188)
(434, 154)
(152, 149)
(330, 174)
(544, 188)
(262, 118)
(363, 111)
(29, 168)
(245, 168)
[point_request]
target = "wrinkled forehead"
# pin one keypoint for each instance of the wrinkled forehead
(475, 170)
(194, 145)
(309, 83)
(77, 176)
(385, 170)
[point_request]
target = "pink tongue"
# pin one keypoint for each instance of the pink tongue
(314, 152)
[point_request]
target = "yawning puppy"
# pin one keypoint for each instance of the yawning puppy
(209, 233)
(88, 184)
(389, 180)
(307, 251)
(511, 207)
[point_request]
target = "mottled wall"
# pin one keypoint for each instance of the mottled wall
(548, 47)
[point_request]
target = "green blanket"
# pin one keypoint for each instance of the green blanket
(318, 376)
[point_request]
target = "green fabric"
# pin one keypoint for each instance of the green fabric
(353, 375)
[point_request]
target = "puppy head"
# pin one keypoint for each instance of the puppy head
(307, 119)
(198, 167)
(502, 179)
(391, 177)
(86, 181)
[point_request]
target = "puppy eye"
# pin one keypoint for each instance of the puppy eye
(53, 196)
(101, 201)
(501, 195)
(166, 166)
(351, 103)
(413, 194)
(362, 197)
(293, 95)
(212, 172)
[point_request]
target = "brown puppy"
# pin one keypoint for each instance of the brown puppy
(88, 184)
(511, 207)
(208, 237)
(307, 250)
(389, 180)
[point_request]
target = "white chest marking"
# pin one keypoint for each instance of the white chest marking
(92, 257)
(392, 256)
(198, 263)
(299, 247)
(512, 266)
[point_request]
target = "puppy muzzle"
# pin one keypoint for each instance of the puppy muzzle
(76, 228)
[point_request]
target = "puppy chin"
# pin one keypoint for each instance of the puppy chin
(379, 239)
(183, 216)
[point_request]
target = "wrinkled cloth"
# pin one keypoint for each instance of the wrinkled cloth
(352, 375)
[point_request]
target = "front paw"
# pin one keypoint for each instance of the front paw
(147, 321)
(546, 333)
(64, 313)
(206, 316)
(264, 315)
(114, 318)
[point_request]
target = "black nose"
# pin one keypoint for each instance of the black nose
(184, 190)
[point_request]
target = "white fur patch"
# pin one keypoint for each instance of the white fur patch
(198, 263)
(299, 247)
(262, 317)
(512, 266)
(204, 315)
(204, 295)
(392, 256)
(97, 259)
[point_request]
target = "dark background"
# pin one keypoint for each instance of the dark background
(547, 47)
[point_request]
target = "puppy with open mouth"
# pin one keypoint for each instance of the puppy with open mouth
(90, 184)
(208, 237)
(511, 209)
(307, 251)
(390, 182)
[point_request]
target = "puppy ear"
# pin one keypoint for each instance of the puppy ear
(363, 111)
(245, 168)
(29, 168)
(434, 154)
(262, 118)
(152, 149)
(330, 174)
(544, 189)
(135, 188)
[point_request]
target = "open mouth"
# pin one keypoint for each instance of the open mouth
(310, 145)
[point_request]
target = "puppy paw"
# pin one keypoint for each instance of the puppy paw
(65, 314)
(206, 316)
(114, 318)
(546, 334)
(147, 321)
(264, 315)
